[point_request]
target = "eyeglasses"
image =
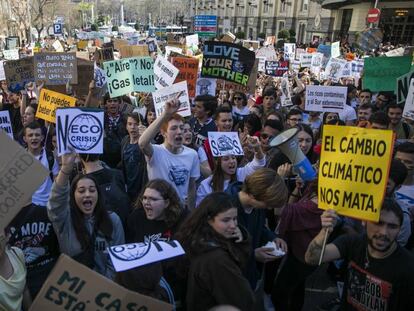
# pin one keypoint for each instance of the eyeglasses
(331, 117)
(295, 119)
(238, 98)
(150, 200)
(266, 136)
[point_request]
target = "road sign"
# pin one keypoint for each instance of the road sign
(373, 15)
(57, 29)
(205, 25)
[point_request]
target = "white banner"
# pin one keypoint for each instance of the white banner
(325, 98)
(225, 143)
(161, 96)
(129, 256)
(164, 73)
(80, 130)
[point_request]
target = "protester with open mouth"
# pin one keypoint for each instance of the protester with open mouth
(84, 228)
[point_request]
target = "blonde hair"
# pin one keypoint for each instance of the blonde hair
(267, 186)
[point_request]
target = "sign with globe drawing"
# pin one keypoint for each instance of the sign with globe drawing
(79, 130)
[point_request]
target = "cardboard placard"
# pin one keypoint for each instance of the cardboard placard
(129, 256)
(82, 55)
(164, 72)
(227, 61)
(206, 86)
(130, 74)
(248, 89)
(316, 62)
(299, 52)
(334, 68)
(268, 52)
(409, 103)
(379, 71)
(403, 84)
(79, 129)
(104, 55)
(225, 143)
(169, 49)
(289, 50)
(325, 98)
(286, 97)
(19, 73)
(5, 123)
(357, 66)
(133, 50)
(2, 73)
(56, 68)
(306, 60)
(73, 284)
(188, 68)
(251, 44)
(12, 42)
(276, 68)
(191, 40)
(335, 49)
(99, 77)
(82, 44)
(160, 97)
(353, 170)
(152, 45)
(325, 50)
(49, 101)
(118, 43)
(228, 37)
(58, 46)
(85, 76)
(11, 54)
(20, 176)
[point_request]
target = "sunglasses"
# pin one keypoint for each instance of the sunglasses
(238, 98)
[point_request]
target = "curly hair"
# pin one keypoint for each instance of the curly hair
(173, 211)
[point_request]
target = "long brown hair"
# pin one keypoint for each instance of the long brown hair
(167, 191)
(217, 179)
(103, 222)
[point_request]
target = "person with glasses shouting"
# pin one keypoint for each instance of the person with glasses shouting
(294, 117)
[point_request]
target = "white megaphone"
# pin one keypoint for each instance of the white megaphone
(288, 144)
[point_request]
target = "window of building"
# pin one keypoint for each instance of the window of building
(264, 26)
(345, 22)
(251, 10)
(250, 33)
(282, 8)
(304, 5)
(301, 33)
(281, 25)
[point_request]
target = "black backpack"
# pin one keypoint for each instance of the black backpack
(51, 161)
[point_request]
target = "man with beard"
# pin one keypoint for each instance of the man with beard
(375, 259)
(364, 114)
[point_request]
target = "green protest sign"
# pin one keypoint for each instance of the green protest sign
(380, 73)
(130, 74)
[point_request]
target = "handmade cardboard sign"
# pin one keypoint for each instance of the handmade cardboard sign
(80, 130)
(49, 101)
(11, 54)
(267, 52)
(85, 76)
(188, 68)
(56, 68)
(335, 49)
(289, 50)
(316, 62)
(191, 40)
(409, 102)
(286, 97)
(276, 68)
(20, 175)
(73, 286)
(161, 96)
(129, 256)
(19, 73)
(133, 50)
(227, 61)
(206, 86)
(325, 98)
(118, 43)
(305, 59)
(104, 55)
(2, 73)
(5, 123)
(334, 68)
(353, 170)
(225, 143)
(164, 72)
(130, 74)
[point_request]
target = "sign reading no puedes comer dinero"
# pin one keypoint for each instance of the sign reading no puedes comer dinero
(227, 61)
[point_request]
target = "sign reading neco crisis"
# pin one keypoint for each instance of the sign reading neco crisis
(80, 130)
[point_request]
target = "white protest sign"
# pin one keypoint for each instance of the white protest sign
(5, 123)
(289, 51)
(206, 86)
(2, 74)
(58, 46)
(164, 73)
(295, 65)
(396, 52)
(409, 102)
(225, 143)
(346, 70)
(266, 52)
(306, 60)
(325, 98)
(261, 66)
(99, 77)
(299, 52)
(335, 50)
(286, 93)
(80, 130)
(191, 40)
(161, 96)
(11, 54)
(357, 65)
(129, 256)
(169, 49)
(334, 68)
(403, 84)
(316, 62)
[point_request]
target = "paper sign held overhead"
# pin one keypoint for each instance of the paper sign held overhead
(191, 40)
(285, 98)
(353, 170)
(403, 84)
(5, 123)
(188, 68)
(49, 101)
(289, 50)
(161, 96)
(206, 86)
(56, 68)
(11, 54)
(334, 68)
(129, 256)
(164, 73)
(325, 98)
(80, 130)
(73, 286)
(19, 73)
(276, 68)
(2, 73)
(134, 50)
(335, 49)
(20, 176)
(225, 144)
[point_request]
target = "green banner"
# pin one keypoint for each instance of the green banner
(381, 73)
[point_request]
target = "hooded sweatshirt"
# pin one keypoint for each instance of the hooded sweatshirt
(59, 213)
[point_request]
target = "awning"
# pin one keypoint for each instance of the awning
(336, 4)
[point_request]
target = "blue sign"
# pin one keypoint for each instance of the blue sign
(57, 29)
(205, 25)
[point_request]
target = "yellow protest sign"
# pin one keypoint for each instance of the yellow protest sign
(82, 44)
(353, 170)
(48, 103)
